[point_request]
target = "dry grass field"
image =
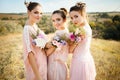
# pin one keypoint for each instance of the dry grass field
(106, 54)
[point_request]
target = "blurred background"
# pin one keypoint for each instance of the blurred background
(104, 19)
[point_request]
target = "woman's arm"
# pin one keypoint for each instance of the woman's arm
(34, 65)
(72, 48)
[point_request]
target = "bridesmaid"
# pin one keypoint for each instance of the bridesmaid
(57, 68)
(82, 66)
(34, 58)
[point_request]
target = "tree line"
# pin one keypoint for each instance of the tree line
(104, 26)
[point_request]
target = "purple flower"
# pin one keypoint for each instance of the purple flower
(63, 42)
(40, 36)
(78, 39)
(34, 42)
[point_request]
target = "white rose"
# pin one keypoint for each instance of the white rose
(40, 42)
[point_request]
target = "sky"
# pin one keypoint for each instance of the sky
(17, 6)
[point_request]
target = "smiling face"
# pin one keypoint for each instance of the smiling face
(76, 18)
(35, 14)
(58, 21)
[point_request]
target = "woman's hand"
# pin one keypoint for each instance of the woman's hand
(48, 45)
(72, 47)
(49, 49)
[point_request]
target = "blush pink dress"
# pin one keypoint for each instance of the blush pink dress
(82, 65)
(40, 57)
(57, 68)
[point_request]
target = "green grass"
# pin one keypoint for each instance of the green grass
(106, 54)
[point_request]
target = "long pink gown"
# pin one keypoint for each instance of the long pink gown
(57, 68)
(40, 57)
(82, 66)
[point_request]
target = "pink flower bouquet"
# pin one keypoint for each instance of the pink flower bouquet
(76, 35)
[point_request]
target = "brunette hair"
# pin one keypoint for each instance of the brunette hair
(31, 5)
(62, 12)
(80, 7)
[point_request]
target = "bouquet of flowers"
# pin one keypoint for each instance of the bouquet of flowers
(39, 39)
(77, 34)
(59, 41)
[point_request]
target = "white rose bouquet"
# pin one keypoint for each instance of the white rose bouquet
(39, 39)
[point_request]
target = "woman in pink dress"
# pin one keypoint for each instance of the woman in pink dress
(57, 68)
(34, 57)
(82, 65)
